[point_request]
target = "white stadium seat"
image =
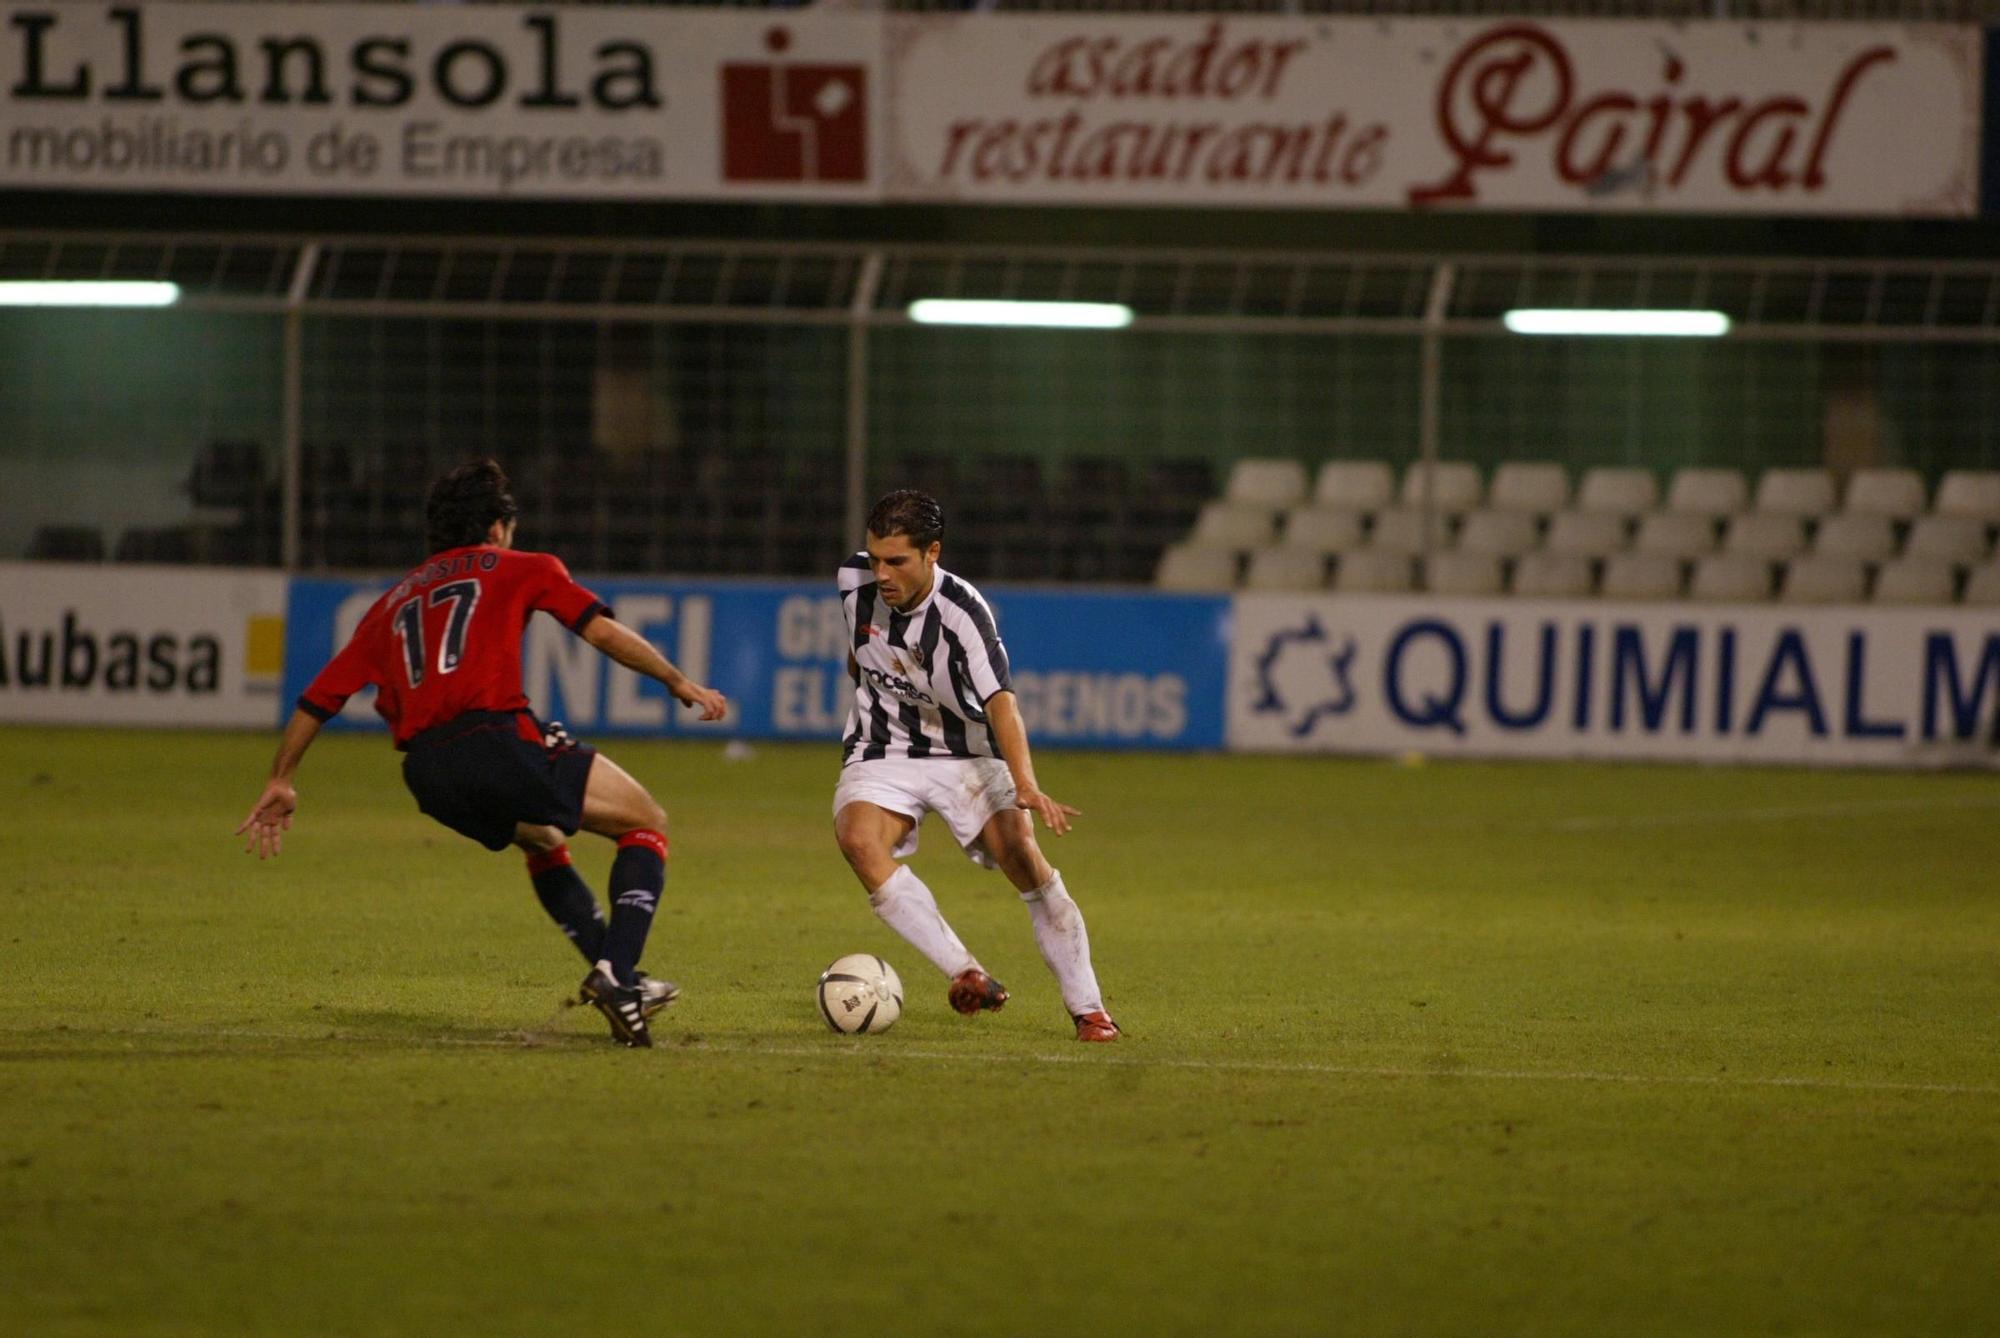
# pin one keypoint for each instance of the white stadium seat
(1621, 491)
(1870, 538)
(1401, 529)
(1913, 581)
(1824, 579)
(1454, 485)
(1895, 493)
(1551, 576)
(1795, 492)
(1197, 567)
(1764, 536)
(1462, 574)
(1359, 485)
(1970, 492)
(1641, 576)
(1983, 586)
(1585, 534)
(1731, 578)
(1323, 529)
(1271, 483)
(1675, 534)
(1960, 539)
(1540, 486)
(1708, 492)
(1498, 533)
(1369, 571)
(1234, 525)
(1286, 569)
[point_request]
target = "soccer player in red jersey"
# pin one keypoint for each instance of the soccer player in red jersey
(443, 650)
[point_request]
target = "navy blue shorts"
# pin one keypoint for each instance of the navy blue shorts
(484, 772)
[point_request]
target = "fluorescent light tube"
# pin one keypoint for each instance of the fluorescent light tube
(1582, 321)
(87, 293)
(1048, 315)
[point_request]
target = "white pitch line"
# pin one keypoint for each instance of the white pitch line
(1837, 809)
(872, 1050)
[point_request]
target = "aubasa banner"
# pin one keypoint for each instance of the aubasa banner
(634, 102)
(1517, 678)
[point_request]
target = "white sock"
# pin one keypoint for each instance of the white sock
(1065, 944)
(908, 907)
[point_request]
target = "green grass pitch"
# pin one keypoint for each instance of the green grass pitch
(1455, 1049)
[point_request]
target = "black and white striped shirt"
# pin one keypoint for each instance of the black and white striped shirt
(926, 674)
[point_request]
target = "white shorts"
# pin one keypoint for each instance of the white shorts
(965, 791)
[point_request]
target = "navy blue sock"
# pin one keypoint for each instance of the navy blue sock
(638, 876)
(567, 899)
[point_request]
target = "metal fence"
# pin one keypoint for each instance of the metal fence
(726, 407)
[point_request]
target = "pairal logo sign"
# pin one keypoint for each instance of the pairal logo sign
(795, 121)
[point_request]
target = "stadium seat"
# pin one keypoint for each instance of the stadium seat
(1358, 485)
(66, 543)
(1675, 534)
(1323, 529)
(1370, 571)
(1268, 483)
(1540, 486)
(1239, 525)
(1286, 569)
(1970, 492)
(1959, 539)
(1730, 578)
(1498, 533)
(1641, 576)
(1760, 535)
(1401, 529)
(1870, 538)
(1824, 579)
(1708, 492)
(1551, 576)
(1197, 567)
(1590, 534)
(1621, 491)
(1795, 492)
(1913, 581)
(1983, 586)
(1895, 493)
(1454, 486)
(1463, 574)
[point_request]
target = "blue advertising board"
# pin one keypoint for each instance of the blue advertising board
(1094, 670)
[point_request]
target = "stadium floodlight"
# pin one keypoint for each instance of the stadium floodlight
(1047, 315)
(1583, 321)
(87, 293)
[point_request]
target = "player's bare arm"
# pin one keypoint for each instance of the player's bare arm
(641, 656)
(1010, 736)
(271, 816)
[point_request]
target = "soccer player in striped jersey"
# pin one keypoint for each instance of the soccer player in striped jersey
(935, 728)
(443, 650)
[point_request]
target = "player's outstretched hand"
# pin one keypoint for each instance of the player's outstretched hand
(1054, 816)
(713, 704)
(269, 819)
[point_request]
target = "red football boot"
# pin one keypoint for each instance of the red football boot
(973, 991)
(1096, 1026)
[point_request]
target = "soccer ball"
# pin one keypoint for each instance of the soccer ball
(860, 992)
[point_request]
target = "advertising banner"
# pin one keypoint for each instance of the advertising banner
(637, 102)
(1100, 671)
(97, 645)
(1518, 678)
(1507, 114)
(570, 100)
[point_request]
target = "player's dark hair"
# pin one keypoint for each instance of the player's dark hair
(907, 511)
(464, 504)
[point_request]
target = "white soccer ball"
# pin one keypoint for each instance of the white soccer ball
(860, 992)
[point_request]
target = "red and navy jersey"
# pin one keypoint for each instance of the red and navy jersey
(446, 639)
